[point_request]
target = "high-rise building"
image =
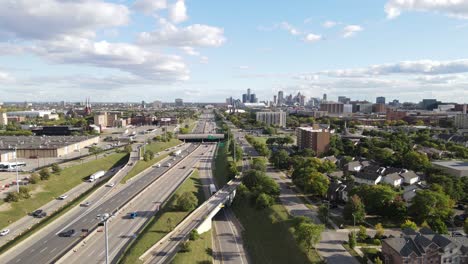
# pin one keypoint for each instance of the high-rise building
(3, 119)
(253, 98)
(313, 138)
(179, 102)
(378, 108)
(429, 104)
(275, 100)
(272, 118)
(143, 104)
(324, 97)
(461, 120)
(380, 100)
(280, 98)
(332, 108)
(344, 99)
(245, 99)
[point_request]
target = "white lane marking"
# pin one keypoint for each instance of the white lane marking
(18, 260)
(43, 250)
(53, 250)
(102, 253)
(92, 252)
(32, 250)
(44, 242)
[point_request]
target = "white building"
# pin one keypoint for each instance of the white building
(272, 118)
(461, 121)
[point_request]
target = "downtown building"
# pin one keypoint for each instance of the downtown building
(272, 118)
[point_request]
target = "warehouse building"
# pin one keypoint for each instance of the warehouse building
(31, 147)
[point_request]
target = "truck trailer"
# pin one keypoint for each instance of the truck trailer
(96, 176)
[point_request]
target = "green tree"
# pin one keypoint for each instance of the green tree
(259, 164)
(185, 247)
(170, 224)
(128, 149)
(409, 224)
(95, 151)
(308, 234)
(354, 207)
(56, 168)
(362, 233)
(12, 197)
(34, 178)
(317, 184)
(438, 225)
(352, 241)
(232, 169)
(186, 202)
(379, 231)
(44, 174)
(264, 201)
(377, 260)
(378, 199)
(194, 235)
(428, 204)
(416, 161)
(281, 159)
(465, 226)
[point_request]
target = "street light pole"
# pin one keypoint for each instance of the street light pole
(16, 166)
(107, 241)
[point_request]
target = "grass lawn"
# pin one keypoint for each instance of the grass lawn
(260, 139)
(268, 235)
(142, 165)
(371, 253)
(58, 185)
(220, 168)
(201, 251)
(159, 226)
(386, 223)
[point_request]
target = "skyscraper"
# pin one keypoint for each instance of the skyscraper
(280, 98)
(275, 99)
(380, 100)
(324, 97)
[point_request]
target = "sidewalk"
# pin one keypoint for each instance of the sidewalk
(330, 247)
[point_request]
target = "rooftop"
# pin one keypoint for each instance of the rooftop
(459, 165)
(39, 142)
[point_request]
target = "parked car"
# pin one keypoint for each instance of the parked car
(457, 234)
(5, 232)
(39, 213)
(68, 233)
(63, 197)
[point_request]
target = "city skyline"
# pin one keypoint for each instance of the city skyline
(152, 50)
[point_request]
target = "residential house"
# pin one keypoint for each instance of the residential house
(370, 175)
(409, 177)
(425, 246)
(335, 191)
(353, 166)
(393, 179)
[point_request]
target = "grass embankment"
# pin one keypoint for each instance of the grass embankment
(142, 165)
(200, 251)
(268, 235)
(159, 226)
(220, 172)
(46, 191)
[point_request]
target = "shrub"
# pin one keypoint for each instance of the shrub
(362, 234)
(194, 235)
(185, 247)
(264, 201)
(34, 178)
(12, 197)
(186, 202)
(352, 240)
(45, 174)
(24, 192)
(56, 168)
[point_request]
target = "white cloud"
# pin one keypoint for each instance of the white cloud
(149, 6)
(193, 35)
(123, 56)
(455, 8)
(178, 12)
(292, 30)
(329, 24)
(45, 19)
(4, 76)
(243, 67)
(351, 30)
(310, 38)
(422, 67)
(190, 51)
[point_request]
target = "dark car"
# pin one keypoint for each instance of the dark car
(39, 213)
(133, 215)
(69, 233)
(460, 207)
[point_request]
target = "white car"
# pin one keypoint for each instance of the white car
(5, 232)
(111, 184)
(168, 165)
(158, 165)
(63, 197)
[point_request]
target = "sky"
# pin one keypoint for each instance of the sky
(206, 51)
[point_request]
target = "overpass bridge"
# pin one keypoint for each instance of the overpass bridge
(199, 219)
(201, 137)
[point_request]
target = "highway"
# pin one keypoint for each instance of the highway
(167, 247)
(47, 247)
(122, 229)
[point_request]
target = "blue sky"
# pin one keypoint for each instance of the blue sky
(53, 50)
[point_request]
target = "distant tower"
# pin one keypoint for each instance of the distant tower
(324, 97)
(87, 109)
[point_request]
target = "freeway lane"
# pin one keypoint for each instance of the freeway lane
(51, 246)
(122, 229)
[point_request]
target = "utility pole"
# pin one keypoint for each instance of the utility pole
(104, 218)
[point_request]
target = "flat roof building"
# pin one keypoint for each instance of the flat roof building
(453, 167)
(45, 146)
(313, 138)
(272, 118)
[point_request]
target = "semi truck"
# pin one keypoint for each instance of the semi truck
(96, 176)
